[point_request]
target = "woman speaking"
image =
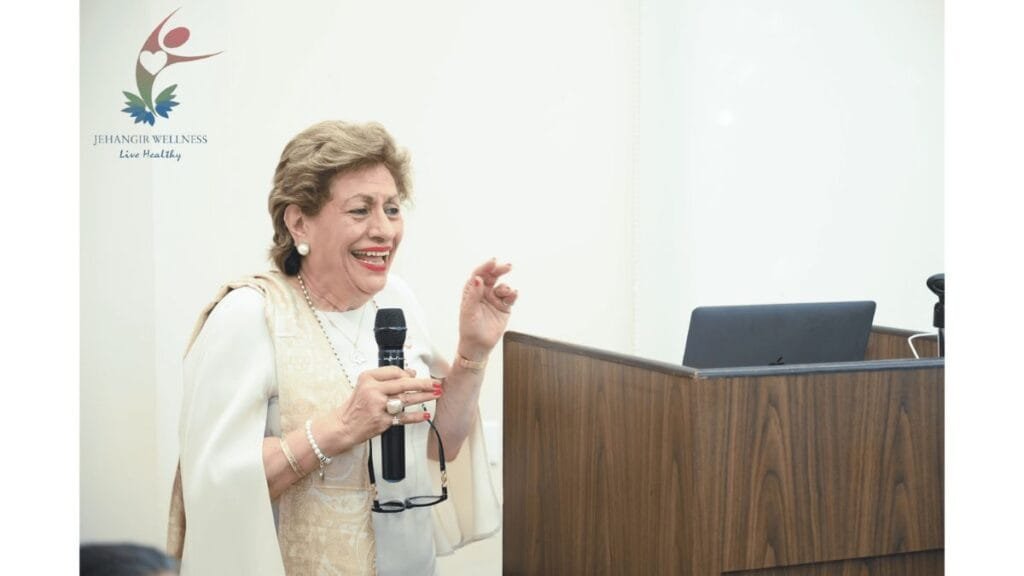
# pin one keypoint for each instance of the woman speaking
(284, 403)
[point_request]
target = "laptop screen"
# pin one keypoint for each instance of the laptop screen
(776, 334)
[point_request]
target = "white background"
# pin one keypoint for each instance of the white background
(633, 160)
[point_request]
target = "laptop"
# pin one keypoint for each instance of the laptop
(778, 334)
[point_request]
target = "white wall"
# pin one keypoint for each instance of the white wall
(791, 150)
(632, 159)
(119, 471)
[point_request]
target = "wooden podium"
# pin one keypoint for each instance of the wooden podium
(619, 465)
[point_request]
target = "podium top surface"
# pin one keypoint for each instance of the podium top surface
(708, 373)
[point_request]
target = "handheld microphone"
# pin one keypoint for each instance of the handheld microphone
(389, 331)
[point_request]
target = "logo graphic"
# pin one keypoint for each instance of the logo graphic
(154, 58)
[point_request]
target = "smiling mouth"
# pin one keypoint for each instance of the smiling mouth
(375, 259)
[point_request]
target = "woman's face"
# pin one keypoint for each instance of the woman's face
(354, 238)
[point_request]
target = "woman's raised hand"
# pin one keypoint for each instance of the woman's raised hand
(486, 307)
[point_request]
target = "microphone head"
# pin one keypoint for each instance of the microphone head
(389, 328)
(937, 284)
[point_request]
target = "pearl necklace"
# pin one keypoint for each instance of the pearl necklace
(357, 356)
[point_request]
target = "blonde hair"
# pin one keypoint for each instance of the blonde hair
(310, 162)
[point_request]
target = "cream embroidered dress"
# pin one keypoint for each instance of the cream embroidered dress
(259, 365)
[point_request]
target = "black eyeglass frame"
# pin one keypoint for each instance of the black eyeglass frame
(396, 506)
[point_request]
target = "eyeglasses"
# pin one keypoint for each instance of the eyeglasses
(395, 506)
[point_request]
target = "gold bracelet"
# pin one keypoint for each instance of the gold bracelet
(468, 364)
(291, 459)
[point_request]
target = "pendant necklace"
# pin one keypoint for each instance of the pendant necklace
(356, 357)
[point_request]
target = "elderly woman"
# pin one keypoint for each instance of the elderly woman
(283, 400)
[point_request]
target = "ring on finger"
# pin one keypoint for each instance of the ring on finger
(394, 406)
(395, 421)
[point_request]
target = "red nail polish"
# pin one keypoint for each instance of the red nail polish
(426, 415)
(437, 392)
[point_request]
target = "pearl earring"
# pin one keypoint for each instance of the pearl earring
(302, 248)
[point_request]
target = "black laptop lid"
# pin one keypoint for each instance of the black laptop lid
(772, 334)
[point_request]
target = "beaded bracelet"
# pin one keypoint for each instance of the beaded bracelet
(291, 459)
(324, 460)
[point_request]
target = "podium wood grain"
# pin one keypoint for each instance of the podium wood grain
(600, 463)
(929, 562)
(823, 467)
(891, 343)
(617, 465)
